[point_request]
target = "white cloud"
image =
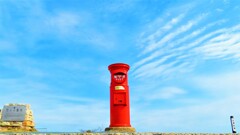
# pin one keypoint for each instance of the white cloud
(156, 70)
(70, 28)
(219, 10)
(175, 46)
(7, 46)
(221, 46)
(119, 6)
(89, 115)
(64, 22)
(226, 84)
(190, 114)
(226, 1)
(144, 60)
(165, 93)
(214, 113)
(55, 111)
(145, 68)
(168, 26)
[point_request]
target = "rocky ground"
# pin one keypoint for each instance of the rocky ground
(109, 133)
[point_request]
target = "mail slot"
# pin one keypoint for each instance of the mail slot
(119, 98)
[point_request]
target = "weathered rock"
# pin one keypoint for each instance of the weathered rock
(2, 123)
(17, 118)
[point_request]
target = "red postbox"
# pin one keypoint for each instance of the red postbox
(119, 98)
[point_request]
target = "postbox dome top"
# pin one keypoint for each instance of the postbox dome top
(118, 66)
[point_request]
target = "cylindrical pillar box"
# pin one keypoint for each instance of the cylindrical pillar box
(119, 98)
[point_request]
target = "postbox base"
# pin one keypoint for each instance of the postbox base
(120, 129)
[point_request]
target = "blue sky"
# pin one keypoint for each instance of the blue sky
(184, 57)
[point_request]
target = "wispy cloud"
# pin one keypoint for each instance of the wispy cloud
(172, 34)
(143, 68)
(225, 46)
(168, 26)
(180, 48)
(165, 93)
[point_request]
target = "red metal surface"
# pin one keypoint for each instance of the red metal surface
(119, 95)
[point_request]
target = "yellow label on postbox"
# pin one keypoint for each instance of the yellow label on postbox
(119, 88)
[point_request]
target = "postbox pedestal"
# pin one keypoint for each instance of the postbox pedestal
(120, 129)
